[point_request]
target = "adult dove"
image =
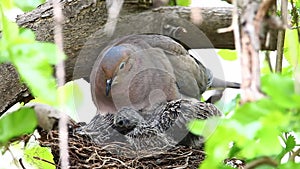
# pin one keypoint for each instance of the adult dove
(140, 71)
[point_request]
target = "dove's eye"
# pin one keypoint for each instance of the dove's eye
(122, 65)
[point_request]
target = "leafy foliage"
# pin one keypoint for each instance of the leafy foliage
(227, 54)
(254, 129)
(180, 2)
(18, 123)
(28, 5)
(34, 61)
(34, 154)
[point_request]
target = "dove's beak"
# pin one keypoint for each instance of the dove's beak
(108, 86)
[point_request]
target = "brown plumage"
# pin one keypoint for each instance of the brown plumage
(140, 71)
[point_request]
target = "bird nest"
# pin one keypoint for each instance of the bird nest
(86, 154)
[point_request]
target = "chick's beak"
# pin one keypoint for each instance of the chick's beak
(108, 86)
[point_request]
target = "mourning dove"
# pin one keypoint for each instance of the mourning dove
(140, 71)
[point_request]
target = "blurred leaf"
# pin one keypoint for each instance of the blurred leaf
(298, 4)
(265, 144)
(227, 54)
(292, 47)
(231, 105)
(71, 96)
(217, 146)
(34, 68)
(196, 127)
(289, 165)
(287, 71)
(252, 111)
(265, 68)
(28, 5)
(7, 4)
(4, 56)
(31, 154)
(284, 86)
(20, 122)
(183, 2)
(7, 28)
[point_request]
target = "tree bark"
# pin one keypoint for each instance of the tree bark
(84, 37)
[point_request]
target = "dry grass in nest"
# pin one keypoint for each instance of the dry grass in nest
(86, 154)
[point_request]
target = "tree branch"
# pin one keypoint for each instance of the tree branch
(84, 37)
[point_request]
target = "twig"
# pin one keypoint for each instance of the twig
(46, 161)
(21, 163)
(280, 38)
(185, 165)
(261, 161)
(114, 7)
(294, 155)
(60, 75)
(268, 60)
(236, 28)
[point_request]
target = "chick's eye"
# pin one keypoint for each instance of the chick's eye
(122, 65)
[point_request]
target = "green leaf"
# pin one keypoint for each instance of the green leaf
(292, 47)
(20, 122)
(196, 127)
(289, 165)
(49, 50)
(36, 154)
(234, 150)
(71, 97)
(252, 111)
(4, 55)
(10, 30)
(28, 5)
(227, 54)
(34, 68)
(290, 143)
(230, 106)
(298, 4)
(284, 86)
(183, 2)
(217, 145)
(7, 4)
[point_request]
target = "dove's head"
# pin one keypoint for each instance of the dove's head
(114, 61)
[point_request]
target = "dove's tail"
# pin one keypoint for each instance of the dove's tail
(219, 83)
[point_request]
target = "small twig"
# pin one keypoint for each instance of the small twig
(294, 155)
(60, 75)
(224, 30)
(261, 13)
(185, 165)
(280, 38)
(21, 163)
(114, 7)
(115, 159)
(261, 161)
(268, 60)
(279, 55)
(41, 159)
